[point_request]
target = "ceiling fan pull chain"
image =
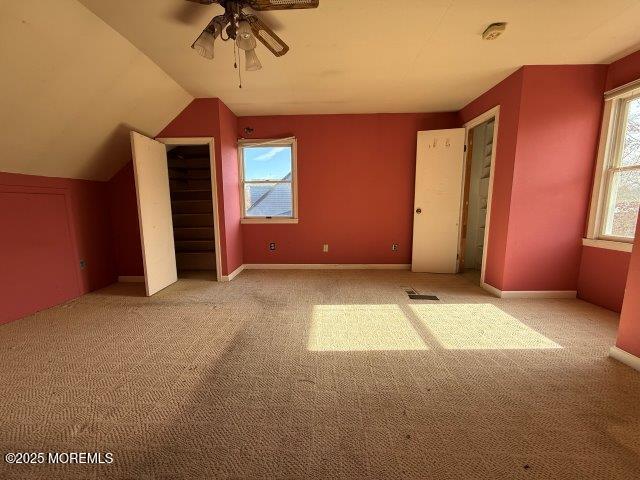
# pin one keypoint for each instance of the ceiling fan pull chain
(235, 64)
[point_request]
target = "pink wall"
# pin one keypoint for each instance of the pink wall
(124, 223)
(558, 128)
(549, 123)
(48, 226)
(356, 183)
(623, 71)
(209, 117)
(507, 94)
(608, 290)
(629, 329)
(603, 275)
(228, 159)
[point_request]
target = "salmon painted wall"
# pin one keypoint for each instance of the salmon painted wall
(547, 136)
(356, 183)
(624, 70)
(228, 159)
(608, 290)
(508, 95)
(209, 117)
(123, 208)
(558, 129)
(603, 276)
(629, 328)
(48, 226)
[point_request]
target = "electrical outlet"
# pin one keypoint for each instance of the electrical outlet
(272, 246)
(83, 264)
(394, 247)
(325, 247)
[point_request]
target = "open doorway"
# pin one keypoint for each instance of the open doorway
(481, 136)
(194, 212)
(192, 209)
(176, 188)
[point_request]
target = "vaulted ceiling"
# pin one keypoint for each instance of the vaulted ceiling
(359, 56)
(77, 75)
(71, 88)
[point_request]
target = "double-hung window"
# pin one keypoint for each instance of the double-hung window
(268, 181)
(616, 193)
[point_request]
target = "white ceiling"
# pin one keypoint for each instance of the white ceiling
(71, 89)
(359, 56)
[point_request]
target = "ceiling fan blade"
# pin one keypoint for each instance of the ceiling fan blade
(281, 4)
(267, 36)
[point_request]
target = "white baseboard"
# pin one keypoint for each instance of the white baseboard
(327, 266)
(130, 279)
(625, 357)
(232, 275)
(491, 289)
(529, 293)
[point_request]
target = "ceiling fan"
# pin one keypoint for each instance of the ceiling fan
(244, 27)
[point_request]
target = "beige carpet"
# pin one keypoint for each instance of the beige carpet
(320, 374)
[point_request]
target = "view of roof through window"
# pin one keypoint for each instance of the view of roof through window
(268, 188)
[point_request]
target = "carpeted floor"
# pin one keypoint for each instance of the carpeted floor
(319, 374)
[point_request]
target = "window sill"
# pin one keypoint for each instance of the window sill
(263, 221)
(607, 244)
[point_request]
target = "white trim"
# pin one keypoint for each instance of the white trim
(131, 279)
(265, 220)
(628, 89)
(598, 191)
(232, 275)
(625, 357)
(327, 266)
(214, 187)
(529, 293)
(480, 119)
(607, 244)
(289, 141)
(539, 294)
(491, 289)
(610, 143)
(483, 117)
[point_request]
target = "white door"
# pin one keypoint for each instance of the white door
(154, 212)
(436, 211)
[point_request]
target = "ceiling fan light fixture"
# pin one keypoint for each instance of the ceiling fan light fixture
(204, 44)
(251, 60)
(244, 36)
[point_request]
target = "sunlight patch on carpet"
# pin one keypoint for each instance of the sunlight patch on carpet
(362, 328)
(479, 326)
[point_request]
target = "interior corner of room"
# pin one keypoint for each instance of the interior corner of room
(343, 218)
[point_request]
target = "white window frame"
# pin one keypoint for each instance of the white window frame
(613, 124)
(286, 142)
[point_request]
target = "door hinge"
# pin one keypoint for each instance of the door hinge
(465, 148)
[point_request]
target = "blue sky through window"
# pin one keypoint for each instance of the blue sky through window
(266, 163)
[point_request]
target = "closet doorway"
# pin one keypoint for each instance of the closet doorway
(481, 138)
(177, 208)
(194, 206)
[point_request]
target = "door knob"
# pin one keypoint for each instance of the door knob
(418, 211)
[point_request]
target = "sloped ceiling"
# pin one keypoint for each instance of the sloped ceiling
(362, 56)
(71, 88)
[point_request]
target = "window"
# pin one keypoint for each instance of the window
(617, 190)
(268, 181)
